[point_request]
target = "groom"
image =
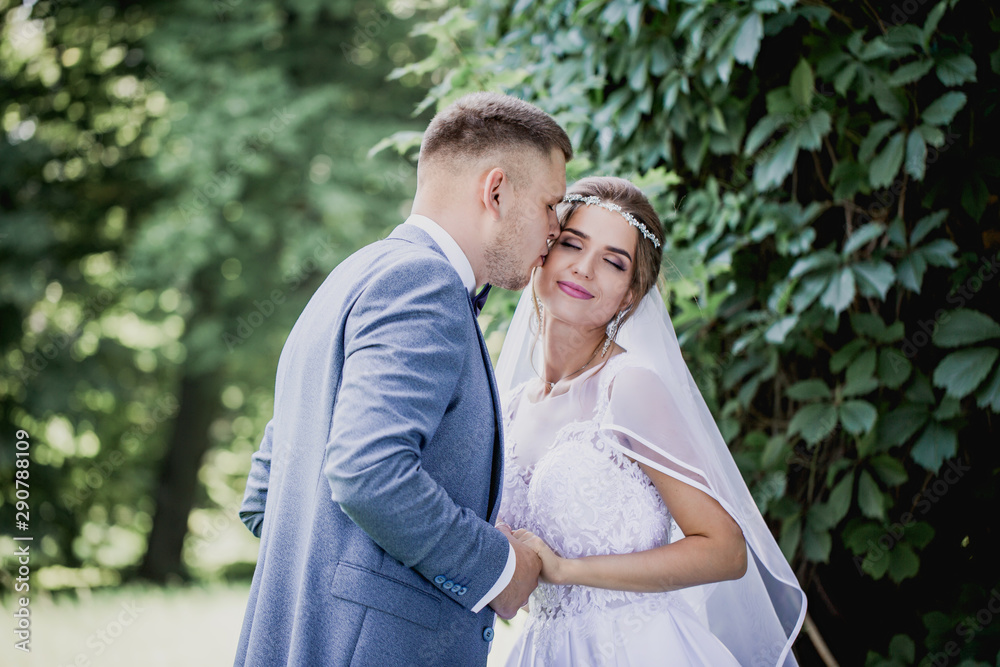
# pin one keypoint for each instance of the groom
(377, 483)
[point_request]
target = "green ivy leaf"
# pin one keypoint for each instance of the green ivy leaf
(879, 47)
(803, 83)
(808, 290)
(897, 233)
(868, 443)
(860, 387)
(840, 293)
(988, 395)
(876, 134)
(808, 389)
(956, 69)
(858, 534)
(910, 271)
(935, 445)
(870, 498)
(779, 102)
(772, 170)
(916, 155)
(885, 165)
(748, 40)
(910, 72)
(961, 372)
(842, 81)
(791, 534)
(904, 35)
(940, 252)
(899, 425)
(840, 498)
(920, 390)
(844, 355)
(932, 135)
(861, 236)
(810, 134)
(944, 108)
(948, 408)
(816, 545)
(774, 450)
(975, 196)
(863, 367)
(893, 368)
(964, 326)
(902, 647)
(889, 470)
(927, 224)
(760, 133)
(814, 422)
(920, 534)
(892, 104)
(931, 24)
(874, 278)
(876, 564)
(857, 416)
(904, 563)
(868, 324)
(777, 332)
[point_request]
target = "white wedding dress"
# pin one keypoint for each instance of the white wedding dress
(566, 482)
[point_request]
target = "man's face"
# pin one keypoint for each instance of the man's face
(529, 222)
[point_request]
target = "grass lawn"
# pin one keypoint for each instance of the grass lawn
(152, 627)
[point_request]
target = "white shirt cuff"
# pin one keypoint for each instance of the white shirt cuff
(505, 577)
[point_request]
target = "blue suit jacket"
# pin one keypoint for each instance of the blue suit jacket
(377, 482)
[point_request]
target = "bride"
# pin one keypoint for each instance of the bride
(652, 549)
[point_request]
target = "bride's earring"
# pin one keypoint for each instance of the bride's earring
(611, 331)
(537, 318)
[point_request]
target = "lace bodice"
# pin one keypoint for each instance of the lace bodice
(584, 498)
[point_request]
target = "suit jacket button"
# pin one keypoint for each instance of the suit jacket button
(448, 584)
(488, 634)
(461, 591)
(439, 579)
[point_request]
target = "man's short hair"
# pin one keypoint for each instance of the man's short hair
(480, 124)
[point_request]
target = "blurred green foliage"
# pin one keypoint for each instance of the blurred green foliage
(175, 181)
(829, 194)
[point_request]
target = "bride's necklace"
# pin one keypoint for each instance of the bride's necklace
(552, 385)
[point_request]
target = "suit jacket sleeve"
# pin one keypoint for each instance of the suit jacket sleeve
(255, 497)
(404, 349)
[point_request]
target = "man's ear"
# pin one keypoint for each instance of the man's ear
(495, 182)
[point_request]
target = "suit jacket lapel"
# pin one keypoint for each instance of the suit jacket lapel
(496, 476)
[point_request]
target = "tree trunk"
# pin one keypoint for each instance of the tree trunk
(178, 483)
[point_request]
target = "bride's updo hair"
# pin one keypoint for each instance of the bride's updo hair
(646, 267)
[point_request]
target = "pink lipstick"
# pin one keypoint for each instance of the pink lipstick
(574, 290)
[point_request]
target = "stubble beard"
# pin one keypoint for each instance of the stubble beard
(504, 265)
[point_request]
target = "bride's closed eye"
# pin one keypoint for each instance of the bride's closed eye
(575, 247)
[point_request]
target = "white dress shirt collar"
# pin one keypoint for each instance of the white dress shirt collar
(452, 251)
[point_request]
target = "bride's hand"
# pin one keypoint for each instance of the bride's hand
(552, 565)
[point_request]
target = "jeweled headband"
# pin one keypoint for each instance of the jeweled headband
(611, 206)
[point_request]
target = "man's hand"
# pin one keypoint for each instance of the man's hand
(524, 581)
(553, 567)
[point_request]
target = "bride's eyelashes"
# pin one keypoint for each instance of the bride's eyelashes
(614, 264)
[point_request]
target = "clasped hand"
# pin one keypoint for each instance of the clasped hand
(534, 560)
(552, 564)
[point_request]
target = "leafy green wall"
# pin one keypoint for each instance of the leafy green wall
(830, 196)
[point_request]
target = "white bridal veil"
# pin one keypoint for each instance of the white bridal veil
(660, 418)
